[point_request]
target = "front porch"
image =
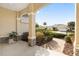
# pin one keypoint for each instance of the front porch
(21, 48)
(19, 18)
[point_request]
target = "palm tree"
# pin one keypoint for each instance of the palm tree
(44, 23)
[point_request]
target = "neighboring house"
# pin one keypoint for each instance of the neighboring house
(50, 27)
(61, 27)
(40, 27)
(43, 27)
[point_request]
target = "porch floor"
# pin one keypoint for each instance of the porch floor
(21, 48)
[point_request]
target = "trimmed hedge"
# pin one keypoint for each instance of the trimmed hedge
(39, 30)
(51, 34)
(71, 34)
(59, 35)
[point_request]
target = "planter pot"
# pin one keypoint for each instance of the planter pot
(11, 41)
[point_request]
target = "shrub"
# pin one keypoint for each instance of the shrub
(72, 35)
(68, 39)
(48, 34)
(59, 35)
(39, 36)
(39, 30)
(12, 35)
(43, 36)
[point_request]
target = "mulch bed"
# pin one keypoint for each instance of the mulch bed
(42, 42)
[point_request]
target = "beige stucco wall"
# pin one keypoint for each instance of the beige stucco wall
(7, 21)
(77, 24)
(21, 27)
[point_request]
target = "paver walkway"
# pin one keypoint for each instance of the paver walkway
(55, 44)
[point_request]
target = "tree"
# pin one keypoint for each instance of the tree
(55, 29)
(37, 25)
(71, 26)
(44, 23)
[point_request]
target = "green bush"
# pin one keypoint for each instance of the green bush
(68, 39)
(39, 30)
(43, 36)
(12, 35)
(39, 36)
(59, 35)
(48, 33)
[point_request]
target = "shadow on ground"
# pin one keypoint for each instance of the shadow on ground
(51, 45)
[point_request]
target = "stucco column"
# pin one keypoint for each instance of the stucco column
(77, 24)
(32, 36)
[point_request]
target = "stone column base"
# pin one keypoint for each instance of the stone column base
(32, 41)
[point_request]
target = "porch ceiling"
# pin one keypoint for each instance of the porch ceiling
(33, 7)
(14, 6)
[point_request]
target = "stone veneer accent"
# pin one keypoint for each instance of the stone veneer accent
(32, 42)
(4, 39)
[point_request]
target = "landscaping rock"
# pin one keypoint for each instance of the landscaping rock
(68, 49)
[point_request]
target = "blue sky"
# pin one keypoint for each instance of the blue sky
(56, 13)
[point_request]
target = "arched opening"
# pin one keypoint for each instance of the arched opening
(53, 29)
